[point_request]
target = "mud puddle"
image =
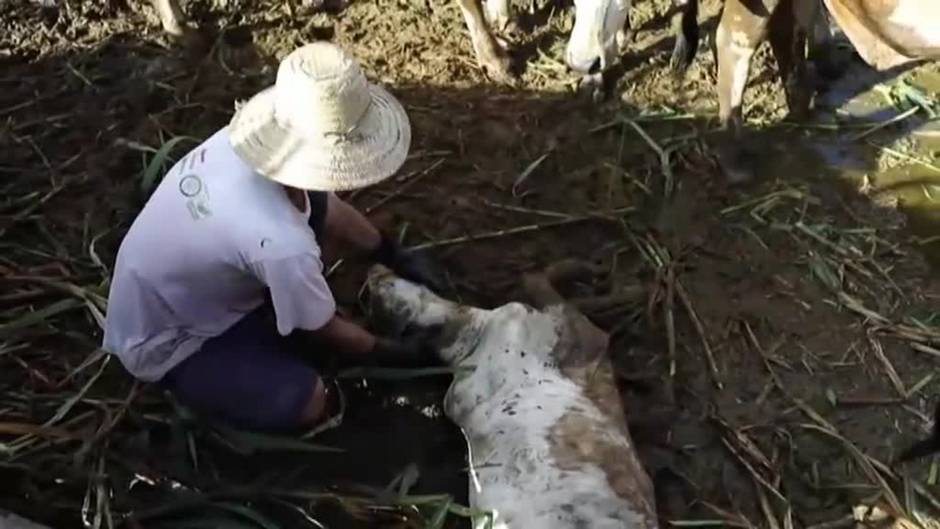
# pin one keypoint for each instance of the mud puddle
(896, 164)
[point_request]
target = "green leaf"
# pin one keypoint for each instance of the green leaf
(824, 273)
(37, 317)
(396, 373)
(440, 515)
(528, 171)
(67, 406)
(248, 443)
(155, 166)
(408, 479)
(249, 514)
(404, 480)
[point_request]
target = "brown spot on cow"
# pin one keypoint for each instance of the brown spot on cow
(578, 442)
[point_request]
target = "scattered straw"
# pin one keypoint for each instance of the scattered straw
(518, 230)
(888, 366)
(664, 163)
(700, 329)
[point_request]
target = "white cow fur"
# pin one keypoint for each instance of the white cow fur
(548, 442)
(597, 33)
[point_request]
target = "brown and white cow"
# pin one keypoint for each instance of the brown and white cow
(175, 22)
(886, 34)
(593, 46)
(744, 25)
(536, 400)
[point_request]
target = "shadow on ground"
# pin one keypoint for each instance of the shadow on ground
(767, 304)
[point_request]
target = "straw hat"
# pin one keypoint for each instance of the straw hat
(322, 126)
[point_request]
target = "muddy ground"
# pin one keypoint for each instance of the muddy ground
(803, 348)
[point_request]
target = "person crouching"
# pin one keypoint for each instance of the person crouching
(243, 224)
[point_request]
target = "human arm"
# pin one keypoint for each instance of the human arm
(302, 301)
(410, 265)
(360, 346)
(346, 338)
(350, 233)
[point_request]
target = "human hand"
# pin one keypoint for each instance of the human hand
(410, 265)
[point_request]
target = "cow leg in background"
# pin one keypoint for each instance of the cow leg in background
(821, 50)
(491, 56)
(625, 36)
(685, 27)
(790, 24)
(499, 14)
(171, 16)
(742, 28)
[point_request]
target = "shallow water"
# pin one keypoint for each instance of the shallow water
(898, 165)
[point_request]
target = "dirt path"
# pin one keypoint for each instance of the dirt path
(789, 347)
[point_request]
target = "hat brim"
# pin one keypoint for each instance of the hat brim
(375, 150)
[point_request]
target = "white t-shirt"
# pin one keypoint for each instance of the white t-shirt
(210, 240)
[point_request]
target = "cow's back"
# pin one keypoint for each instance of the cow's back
(889, 33)
(543, 454)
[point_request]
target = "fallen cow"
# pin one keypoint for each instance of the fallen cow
(537, 402)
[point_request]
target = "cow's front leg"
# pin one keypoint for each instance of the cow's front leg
(741, 29)
(491, 56)
(171, 17)
(789, 26)
(823, 54)
(685, 26)
(499, 15)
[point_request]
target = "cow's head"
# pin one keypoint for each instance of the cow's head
(397, 304)
(598, 24)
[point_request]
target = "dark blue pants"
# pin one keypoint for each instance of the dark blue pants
(250, 376)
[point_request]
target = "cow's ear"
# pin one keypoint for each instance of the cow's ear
(589, 341)
(541, 287)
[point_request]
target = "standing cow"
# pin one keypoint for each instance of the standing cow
(593, 46)
(886, 33)
(595, 43)
(175, 23)
(536, 399)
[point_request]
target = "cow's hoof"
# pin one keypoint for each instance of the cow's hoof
(190, 38)
(499, 69)
(737, 165)
(512, 29)
(593, 85)
(682, 56)
(504, 25)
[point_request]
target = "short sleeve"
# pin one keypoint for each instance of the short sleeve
(300, 294)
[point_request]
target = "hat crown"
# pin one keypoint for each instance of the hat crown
(321, 90)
